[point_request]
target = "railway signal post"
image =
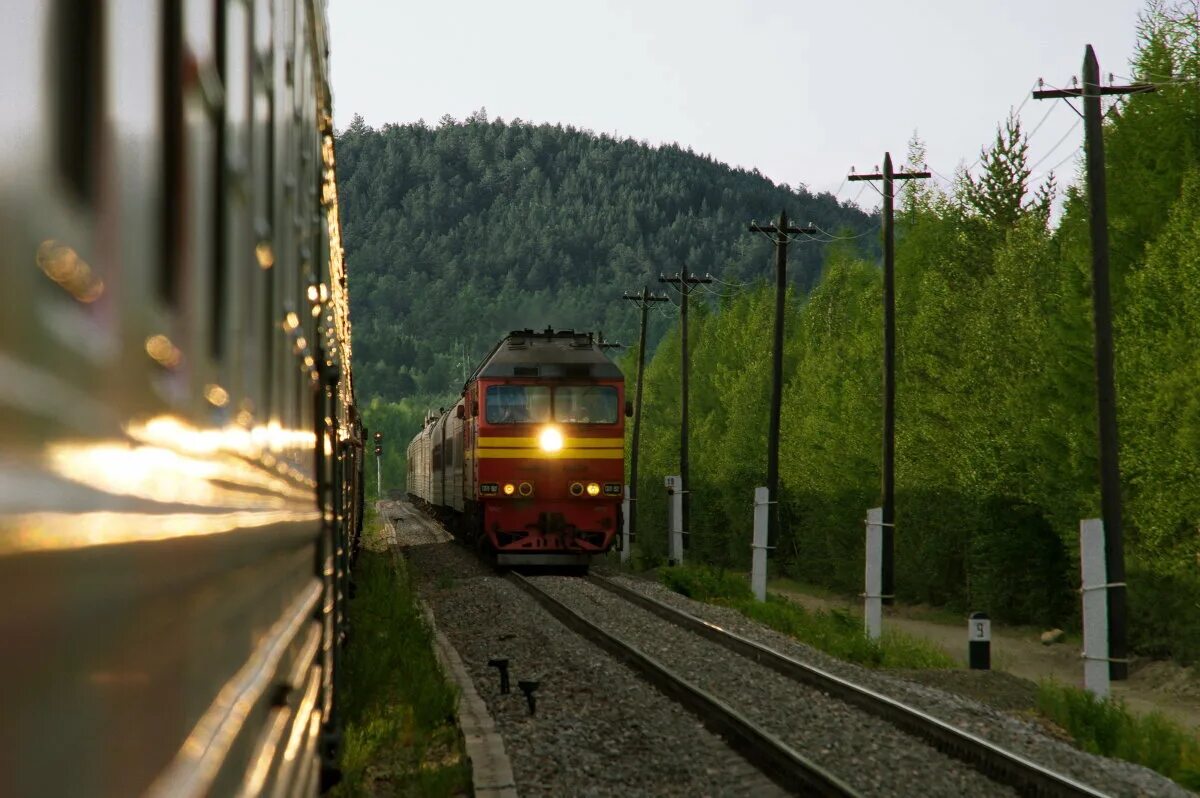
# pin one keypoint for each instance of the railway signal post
(378, 466)
(1106, 392)
(781, 234)
(642, 301)
(888, 522)
(683, 282)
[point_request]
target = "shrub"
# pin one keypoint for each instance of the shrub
(1106, 727)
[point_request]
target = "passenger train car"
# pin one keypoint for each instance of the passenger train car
(180, 456)
(529, 463)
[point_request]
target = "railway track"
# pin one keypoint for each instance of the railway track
(784, 765)
(604, 617)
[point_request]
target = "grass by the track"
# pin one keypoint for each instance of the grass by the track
(834, 632)
(400, 733)
(1102, 727)
(1106, 727)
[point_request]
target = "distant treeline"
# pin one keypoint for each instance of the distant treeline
(458, 233)
(996, 440)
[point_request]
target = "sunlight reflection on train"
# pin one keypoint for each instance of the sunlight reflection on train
(58, 531)
(63, 265)
(161, 475)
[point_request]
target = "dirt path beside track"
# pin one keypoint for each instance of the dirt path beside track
(1158, 686)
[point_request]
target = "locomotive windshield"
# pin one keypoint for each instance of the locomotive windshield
(585, 404)
(572, 404)
(518, 404)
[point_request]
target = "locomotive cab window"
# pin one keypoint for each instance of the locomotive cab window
(585, 404)
(518, 404)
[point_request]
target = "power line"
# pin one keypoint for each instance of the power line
(888, 493)
(1057, 144)
(1106, 398)
(781, 231)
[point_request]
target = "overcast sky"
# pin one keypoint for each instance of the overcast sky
(799, 90)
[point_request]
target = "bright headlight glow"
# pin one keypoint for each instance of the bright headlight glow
(551, 440)
(593, 489)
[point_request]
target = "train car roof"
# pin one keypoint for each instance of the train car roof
(562, 354)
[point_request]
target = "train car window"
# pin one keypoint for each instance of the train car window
(216, 343)
(173, 199)
(585, 404)
(80, 78)
(263, 161)
(518, 404)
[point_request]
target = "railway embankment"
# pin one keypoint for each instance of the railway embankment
(399, 732)
(576, 720)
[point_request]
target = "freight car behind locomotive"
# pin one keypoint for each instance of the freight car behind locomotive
(529, 463)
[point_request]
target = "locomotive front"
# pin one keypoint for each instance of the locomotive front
(548, 445)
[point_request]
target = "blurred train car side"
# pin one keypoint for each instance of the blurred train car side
(180, 456)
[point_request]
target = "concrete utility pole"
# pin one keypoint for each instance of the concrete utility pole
(378, 466)
(1106, 392)
(888, 501)
(642, 301)
(683, 283)
(781, 233)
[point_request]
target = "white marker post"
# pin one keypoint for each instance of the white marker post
(1095, 606)
(873, 596)
(625, 508)
(674, 520)
(758, 560)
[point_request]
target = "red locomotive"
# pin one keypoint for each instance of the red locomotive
(529, 462)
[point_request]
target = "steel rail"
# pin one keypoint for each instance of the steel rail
(1024, 775)
(781, 763)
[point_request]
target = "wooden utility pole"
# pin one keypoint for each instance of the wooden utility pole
(683, 283)
(888, 487)
(643, 301)
(1106, 392)
(780, 232)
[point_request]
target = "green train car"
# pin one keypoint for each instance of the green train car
(180, 454)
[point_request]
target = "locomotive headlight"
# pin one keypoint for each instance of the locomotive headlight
(509, 488)
(551, 440)
(593, 489)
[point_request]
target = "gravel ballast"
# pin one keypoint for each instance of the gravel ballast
(867, 753)
(1023, 737)
(599, 729)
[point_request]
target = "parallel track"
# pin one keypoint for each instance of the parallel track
(1023, 775)
(780, 762)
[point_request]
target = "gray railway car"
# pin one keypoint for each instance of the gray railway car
(180, 455)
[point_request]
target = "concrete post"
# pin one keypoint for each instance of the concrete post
(758, 560)
(675, 520)
(626, 508)
(1095, 606)
(873, 595)
(979, 641)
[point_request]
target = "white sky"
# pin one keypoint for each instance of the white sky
(799, 90)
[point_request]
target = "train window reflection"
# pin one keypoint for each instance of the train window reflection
(518, 404)
(585, 404)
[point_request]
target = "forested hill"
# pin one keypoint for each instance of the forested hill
(458, 233)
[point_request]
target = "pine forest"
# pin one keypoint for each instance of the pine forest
(459, 232)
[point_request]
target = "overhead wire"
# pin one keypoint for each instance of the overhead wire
(1160, 80)
(1064, 160)
(716, 279)
(1058, 143)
